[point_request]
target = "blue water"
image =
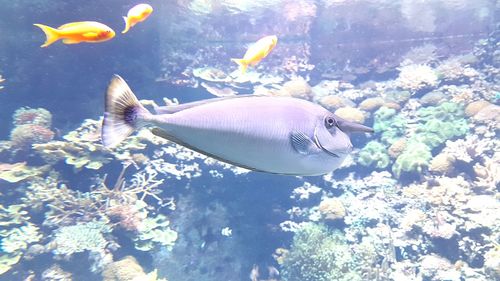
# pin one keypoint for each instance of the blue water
(416, 200)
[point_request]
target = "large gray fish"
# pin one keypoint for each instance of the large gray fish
(278, 135)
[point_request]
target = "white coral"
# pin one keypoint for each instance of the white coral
(414, 77)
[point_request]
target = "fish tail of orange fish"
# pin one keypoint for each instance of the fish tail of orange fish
(242, 63)
(127, 25)
(52, 34)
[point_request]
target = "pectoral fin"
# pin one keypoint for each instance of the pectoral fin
(70, 41)
(303, 144)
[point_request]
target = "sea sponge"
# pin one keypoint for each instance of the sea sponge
(332, 209)
(351, 114)
(374, 153)
(414, 159)
(25, 135)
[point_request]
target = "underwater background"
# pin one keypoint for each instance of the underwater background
(417, 200)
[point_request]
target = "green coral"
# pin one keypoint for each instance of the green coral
(390, 125)
(440, 123)
(374, 153)
(82, 237)
(155, 231)
(16, 234)
(318, 254)
(415, 158)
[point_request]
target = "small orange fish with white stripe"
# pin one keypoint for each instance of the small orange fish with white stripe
(77, 32)
(257, 52)
(137, 14)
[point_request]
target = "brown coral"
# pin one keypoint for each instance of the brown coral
(474, 107)
(371, 104)
(351, 114)
(442, 164)
(332, 209)
(397, 148)
(127, 269)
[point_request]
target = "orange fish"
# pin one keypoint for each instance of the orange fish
(137, 14)
(77, 32)
(257, 52)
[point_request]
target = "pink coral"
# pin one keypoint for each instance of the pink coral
(35, 116)
(23, 136)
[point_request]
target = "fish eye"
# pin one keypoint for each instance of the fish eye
(329, 122)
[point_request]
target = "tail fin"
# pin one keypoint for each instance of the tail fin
(242, 63)
(127, 25)
(52, 34)
(123, 113)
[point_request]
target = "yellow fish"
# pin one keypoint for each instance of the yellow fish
(137, 14)
(77, 32)
(256, 52)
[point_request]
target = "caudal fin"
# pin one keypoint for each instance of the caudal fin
(123, 113)
(127, 25)
(52, 34)
(242, 63)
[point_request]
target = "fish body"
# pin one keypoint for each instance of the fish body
(77, 32)
(257, 52)
(278, 135)
(137, 14)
